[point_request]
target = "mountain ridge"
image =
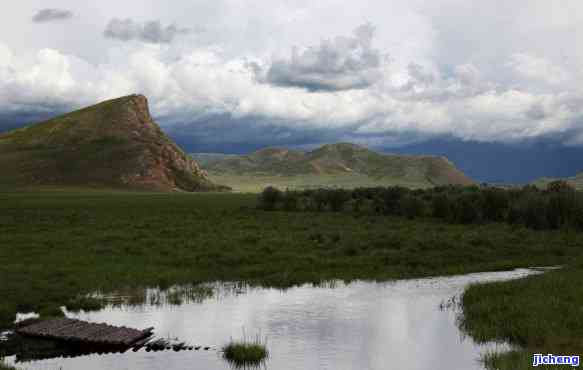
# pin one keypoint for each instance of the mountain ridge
(339, 160)
(112, 144)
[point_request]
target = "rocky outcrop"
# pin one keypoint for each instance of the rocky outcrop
(115, 143)
(162, 164)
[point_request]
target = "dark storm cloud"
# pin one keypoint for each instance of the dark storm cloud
(342, 63)
(10, 121)
(227, 134)
(517, 163)
(52, 15)
(152, 31)
(536, 112)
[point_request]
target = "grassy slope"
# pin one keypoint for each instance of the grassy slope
(42, 150)
(54, 246)
(92, 148)
(343, 164)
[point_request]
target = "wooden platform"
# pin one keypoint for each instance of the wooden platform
(72, 330)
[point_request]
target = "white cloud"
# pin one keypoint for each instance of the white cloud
(450, 72)
(343, 63)
(536, 68)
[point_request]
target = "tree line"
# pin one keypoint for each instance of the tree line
(557, 206)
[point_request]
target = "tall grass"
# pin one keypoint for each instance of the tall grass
(3, 366)
(517, 360)
(540, 314)
(246, 351)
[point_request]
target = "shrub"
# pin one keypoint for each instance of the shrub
(466, 210)
(494, 204)
(290, 201)
(337, 198)
(270, 197)
(532, 211)
(320, 199)
(441, 206)
(392, 199)
(412, 207)
(7, 316)
(559, 186)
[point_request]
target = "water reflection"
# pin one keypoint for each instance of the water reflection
(360, 325)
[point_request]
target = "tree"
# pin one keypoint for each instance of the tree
(559, 186)
(320, 199)
(412, 207)
(466, 209)
(290, 201)
(337, 198)
(494, 204)
(269, 198)
(441, 206)
(392, 199)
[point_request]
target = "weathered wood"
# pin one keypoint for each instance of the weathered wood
(72, 330)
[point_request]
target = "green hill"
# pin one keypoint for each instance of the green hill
(343, 165)
(113, 145)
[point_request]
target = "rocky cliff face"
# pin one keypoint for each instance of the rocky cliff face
(162, 164)
(114, 144)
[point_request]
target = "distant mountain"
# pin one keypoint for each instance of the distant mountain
(114, 144)
(575, 181)
(206, 159)
(343, 164)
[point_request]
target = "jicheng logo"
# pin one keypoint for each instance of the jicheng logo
(550, 359)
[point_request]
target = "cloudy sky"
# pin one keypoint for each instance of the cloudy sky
(233, 75)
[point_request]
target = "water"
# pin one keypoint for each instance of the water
(361, 325)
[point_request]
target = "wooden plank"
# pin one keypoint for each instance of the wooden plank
(85, 332)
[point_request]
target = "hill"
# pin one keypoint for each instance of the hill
(343, 165)
(575, 181)
(114, 144)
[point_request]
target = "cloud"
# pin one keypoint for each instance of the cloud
(343, 63)
(448, 75)
(152, 31)
(52, 15)
(204, 83)
(536, 68)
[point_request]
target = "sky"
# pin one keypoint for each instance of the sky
(440, 76)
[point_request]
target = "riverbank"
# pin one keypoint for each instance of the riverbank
(541, 314)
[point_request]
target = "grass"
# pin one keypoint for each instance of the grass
(516, 360)
(5, 367)
(56, 247)
(256, 183)
(541, 314)
(246, 352)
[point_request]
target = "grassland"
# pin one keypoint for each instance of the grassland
(56, 246)
(256, 183)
